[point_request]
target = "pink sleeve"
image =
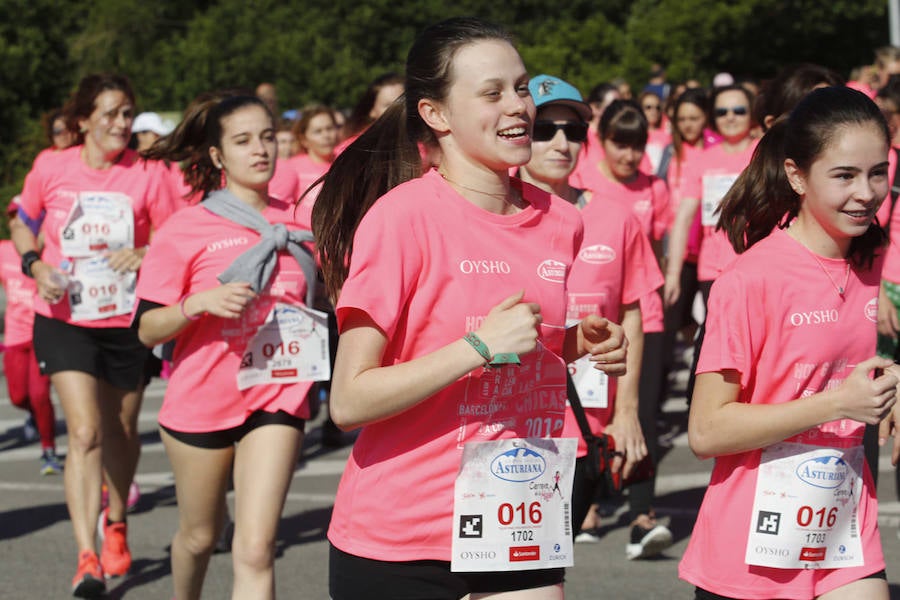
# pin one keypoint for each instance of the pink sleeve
(641, 274)
(692, 180)
(32, 198)
(163, 199)
(727, 342)
(662, 217)
(164, 274)
(386, 261)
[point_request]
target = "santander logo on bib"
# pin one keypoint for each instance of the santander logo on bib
(597, 255)
(553, 271)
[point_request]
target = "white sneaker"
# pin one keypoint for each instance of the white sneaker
(587, 536)
(648, 541)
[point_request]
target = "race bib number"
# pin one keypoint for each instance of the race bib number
(511, 509)
(805, 510)
(98, 292)
(592, 384)
(714, 189)
(97, 222)
(290, 346)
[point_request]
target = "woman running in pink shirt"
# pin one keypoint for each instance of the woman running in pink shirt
(228, 282)
(784, 386)
(451, 302)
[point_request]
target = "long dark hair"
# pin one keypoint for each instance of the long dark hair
(762, 198)
(789, 86)
(623, 122)
(386, 154)
(698, 98)
(83, 100)
(359, 117)
(201, 129)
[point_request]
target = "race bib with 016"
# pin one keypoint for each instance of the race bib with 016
(806, 508)
(98, 292)
(511, 509)
(290, 346)
(97, 222)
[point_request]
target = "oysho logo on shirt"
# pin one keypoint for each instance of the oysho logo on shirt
(484, 267)
(597, 254)
(814, 317)
(553, 271)
(226, 243)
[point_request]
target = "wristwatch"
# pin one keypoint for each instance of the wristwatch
(28, 259)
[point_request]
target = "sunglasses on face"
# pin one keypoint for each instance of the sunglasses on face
(739, 111)
(544, 131)
(651, 107)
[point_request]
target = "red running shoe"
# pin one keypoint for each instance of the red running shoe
(115, 557)
(88, 581)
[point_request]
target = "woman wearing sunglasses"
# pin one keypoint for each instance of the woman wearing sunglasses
(705, 183)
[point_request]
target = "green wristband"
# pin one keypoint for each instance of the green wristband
(504, 358)
(479, 345)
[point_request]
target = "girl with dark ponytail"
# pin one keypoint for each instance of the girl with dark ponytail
(784, 381)
(451, 303)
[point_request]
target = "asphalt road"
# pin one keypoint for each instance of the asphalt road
(37, 551)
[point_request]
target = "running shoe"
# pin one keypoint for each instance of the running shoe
(115, 557)
(51, 464)
(88, 581)
(29, 430)
(587, 536)
(648, 538)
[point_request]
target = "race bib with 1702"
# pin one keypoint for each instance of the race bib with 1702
(512, 505)
(290, 346)
(714, 189)
(805, 509)
(97, 222)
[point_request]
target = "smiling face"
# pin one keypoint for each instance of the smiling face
(248, 148)
(554, 160)
(107, 130)
(486, 118)
(844, 186)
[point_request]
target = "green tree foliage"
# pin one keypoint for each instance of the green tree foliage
(328, 50)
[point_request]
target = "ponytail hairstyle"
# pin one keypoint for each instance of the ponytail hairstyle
(386, 154)
(623, 122)
(84, 99)
(201, 129)
(789, 86)
(762, 198)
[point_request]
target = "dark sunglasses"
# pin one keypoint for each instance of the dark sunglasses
(544, 131)
(739, 111)
(651, 107)
(59, 131)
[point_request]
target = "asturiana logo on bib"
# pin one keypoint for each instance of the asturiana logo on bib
(872, 310)
(553, 271)
(518, 465)
(597, 255)
(826, 472)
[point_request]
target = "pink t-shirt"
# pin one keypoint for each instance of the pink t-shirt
(427, 267)
(589, 160)
(789, 334)
(20, 292)
(615, 266)
(715, 251)
(675, 181)
(891, 271)
(308, 170)
(647, 195)
(285, 185)
(56, 182)
(186, 257)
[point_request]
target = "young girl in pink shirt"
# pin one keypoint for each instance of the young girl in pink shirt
(658, 134)
(784, 386)
(316, 135)
(451, 302)
(228, 282)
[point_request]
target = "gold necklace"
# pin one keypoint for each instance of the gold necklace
(841, 289)
(499, 195)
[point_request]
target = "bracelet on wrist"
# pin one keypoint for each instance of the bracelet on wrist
(503, 358)
(184, 312)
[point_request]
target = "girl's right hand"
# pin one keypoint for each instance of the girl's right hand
(227, 301)
(47, 289)
(511, 326)
(868, 400)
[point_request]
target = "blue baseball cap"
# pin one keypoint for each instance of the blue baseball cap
(552, 90)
